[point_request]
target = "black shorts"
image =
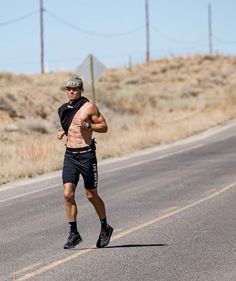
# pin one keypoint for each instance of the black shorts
(80, 162)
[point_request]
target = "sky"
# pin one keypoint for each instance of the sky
(113, 31)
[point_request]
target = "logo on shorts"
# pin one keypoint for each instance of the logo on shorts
(95, 175)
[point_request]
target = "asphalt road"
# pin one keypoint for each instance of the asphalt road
(172, 208)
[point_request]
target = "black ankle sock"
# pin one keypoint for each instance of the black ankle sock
(73, 227)
(104, 223)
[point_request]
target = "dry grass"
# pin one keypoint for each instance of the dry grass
(30, 156)
(147, 105)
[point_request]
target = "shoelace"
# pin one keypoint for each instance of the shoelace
(104, 233)
(70, 238)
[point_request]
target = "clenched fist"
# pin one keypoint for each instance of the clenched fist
(60, 134)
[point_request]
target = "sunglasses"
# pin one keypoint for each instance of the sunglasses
(73, 89)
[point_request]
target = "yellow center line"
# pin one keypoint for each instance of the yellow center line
(30, 267)
(126, 232)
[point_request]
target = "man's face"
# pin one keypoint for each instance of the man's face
(73, 93)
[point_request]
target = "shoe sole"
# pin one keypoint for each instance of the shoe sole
(73, 246)
(110, 234)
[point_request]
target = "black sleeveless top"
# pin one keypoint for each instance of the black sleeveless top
(68, 110)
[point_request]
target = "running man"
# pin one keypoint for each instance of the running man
(79, 119)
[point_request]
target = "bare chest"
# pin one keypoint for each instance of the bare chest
(81, 114)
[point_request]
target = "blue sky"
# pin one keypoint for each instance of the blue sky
(113, 31)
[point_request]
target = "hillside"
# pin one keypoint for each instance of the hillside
(146, 105)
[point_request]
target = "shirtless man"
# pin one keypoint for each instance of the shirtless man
(79, 119)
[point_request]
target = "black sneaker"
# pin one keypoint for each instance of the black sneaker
(104, 237)
(73, 240)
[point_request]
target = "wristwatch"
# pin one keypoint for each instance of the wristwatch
(88, 125)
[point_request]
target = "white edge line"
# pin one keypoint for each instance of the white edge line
(102, 173)
(28, 193)
(200, 136)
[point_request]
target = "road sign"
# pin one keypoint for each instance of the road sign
(91, 68)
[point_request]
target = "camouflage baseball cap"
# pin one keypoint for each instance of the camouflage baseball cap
(75, 82)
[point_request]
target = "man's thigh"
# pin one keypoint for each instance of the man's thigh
(70, 172)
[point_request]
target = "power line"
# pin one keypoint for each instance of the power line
(199, 42)
(93, 33)
(223, 41)
(18, 19)
(176, 40)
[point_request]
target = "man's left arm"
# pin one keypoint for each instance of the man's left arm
(98, 123)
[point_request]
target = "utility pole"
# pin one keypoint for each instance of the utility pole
(41, 37)
(92, 76)
(147, 32)
(210, 29)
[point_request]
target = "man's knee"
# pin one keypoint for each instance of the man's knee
(69, 191)
(91, 195)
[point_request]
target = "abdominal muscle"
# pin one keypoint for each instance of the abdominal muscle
(78, 137)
